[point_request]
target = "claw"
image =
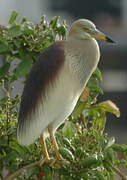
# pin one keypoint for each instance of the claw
(55, 145)
(58, 161)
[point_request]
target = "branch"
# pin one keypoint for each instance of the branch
(118, 172)
(3, 28)
(23, 169)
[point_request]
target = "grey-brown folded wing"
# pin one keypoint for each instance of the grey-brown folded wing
(39, 84)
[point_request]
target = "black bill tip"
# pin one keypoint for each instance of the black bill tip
(109, 40)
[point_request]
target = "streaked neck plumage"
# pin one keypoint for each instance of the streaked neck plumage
(82, 61)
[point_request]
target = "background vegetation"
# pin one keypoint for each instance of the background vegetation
(90, 154)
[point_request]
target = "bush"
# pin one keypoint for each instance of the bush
(89, 153)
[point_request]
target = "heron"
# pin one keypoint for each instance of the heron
(56, 82)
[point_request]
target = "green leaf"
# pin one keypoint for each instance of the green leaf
(80, 152)
(119, 148)
(110, 155)
(89, 161)
(66, 153)
(107, 167)
(15, 31)
(69, 129)
(78, 109)
(62, 30)
(21, 150)
(23, 68)
(93, 85)
(68, 144)
(109, 106)
(46, 175)
(27, 30)
(3, 46)
(100, 120)
(32, 171)
(23, 20)
(97, 74)
(53, 23)
(11, 156)
(66, 141)
(4, 70)
(110, 142)
(13, 17)
(99, 176)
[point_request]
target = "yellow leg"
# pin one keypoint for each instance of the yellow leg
(44, 148)
(54, 142)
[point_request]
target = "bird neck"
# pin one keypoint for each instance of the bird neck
(79, 36)
(77, 33)
(82, 57)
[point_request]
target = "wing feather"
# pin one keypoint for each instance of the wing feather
(41, 80)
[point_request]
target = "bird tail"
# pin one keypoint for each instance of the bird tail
(28, 130)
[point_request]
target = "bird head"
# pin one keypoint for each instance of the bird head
(85, 29)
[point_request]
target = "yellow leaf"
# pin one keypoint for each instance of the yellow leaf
(109, 106)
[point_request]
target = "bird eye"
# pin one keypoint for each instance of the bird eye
(86, 29)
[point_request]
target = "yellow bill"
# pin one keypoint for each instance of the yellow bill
(101, 36)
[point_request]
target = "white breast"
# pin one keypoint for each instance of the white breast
(83, 57)
(62, 98)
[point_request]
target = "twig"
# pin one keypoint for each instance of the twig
(118, 171)
(1, 177)
(3, 28)
(21, 170)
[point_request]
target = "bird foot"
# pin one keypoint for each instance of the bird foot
(53, 162)
(46, 161)
(58, 162)
(58, 156)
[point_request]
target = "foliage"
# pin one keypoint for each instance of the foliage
(89, 153)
